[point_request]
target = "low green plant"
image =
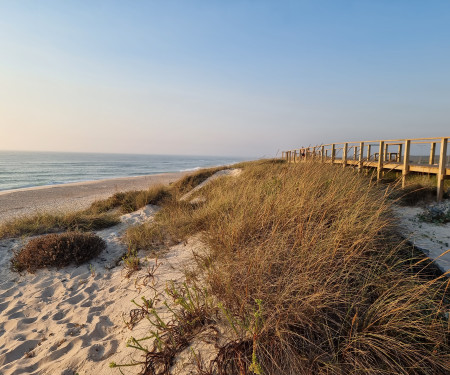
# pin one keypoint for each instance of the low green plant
(435, 214)
(131, 262)
(191, 314)
(57, 250)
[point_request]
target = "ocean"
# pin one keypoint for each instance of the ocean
(30, 169)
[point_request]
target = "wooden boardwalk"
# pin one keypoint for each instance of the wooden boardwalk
(395, 156)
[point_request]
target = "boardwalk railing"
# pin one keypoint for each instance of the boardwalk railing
(382, 155)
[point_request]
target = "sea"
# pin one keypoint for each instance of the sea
(20, 169)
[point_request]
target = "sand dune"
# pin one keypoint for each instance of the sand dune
(71, 320)
(74, 196)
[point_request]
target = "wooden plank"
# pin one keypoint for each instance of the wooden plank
(442, 169)
(380, 161)
(333, 153)
(421, 168)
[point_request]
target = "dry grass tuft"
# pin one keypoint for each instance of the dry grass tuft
(131, 200)
(100, 215)
(57, 250)
(305, 266)
(187, 183)
(47, 223)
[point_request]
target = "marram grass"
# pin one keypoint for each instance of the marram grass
(313, 250)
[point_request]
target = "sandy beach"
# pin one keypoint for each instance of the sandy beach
(73, 320)
(74, 196)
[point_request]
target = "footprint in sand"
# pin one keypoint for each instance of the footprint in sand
(18, 352)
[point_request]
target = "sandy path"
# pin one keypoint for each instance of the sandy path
(79, 195)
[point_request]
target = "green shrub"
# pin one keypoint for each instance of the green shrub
(57, 250)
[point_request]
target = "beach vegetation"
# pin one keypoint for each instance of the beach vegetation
(190, 181)
(57, 250)
(100, 215)
(131, 201)
(308, 272)
(131, 262)
(41, 223)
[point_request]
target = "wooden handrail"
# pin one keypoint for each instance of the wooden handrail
(382, 160)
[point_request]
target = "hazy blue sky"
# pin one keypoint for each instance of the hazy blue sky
(220, 77)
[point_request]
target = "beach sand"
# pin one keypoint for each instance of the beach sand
(75, 196)
(73, 320)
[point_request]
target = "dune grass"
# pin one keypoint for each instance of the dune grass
(190, 181)
(100, 215)
(306, 267)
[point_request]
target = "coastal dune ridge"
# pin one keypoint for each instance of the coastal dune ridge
(239, 261)
(73, 196)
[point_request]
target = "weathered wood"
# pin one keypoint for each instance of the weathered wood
(333, 153)
(344, 155)
(442, 169)
(400, 147)
(369, 147)
(380, 160)
(355, 153)
(322, 153)
(361, 157)
(432, 152)
(405, 170)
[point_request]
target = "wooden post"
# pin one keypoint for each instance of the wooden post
(432, 152)
(361, 157)
(322, 154)
(344, 155)
(333, 153)
(380, 161)
(386, 146)
(399, 156)
(368, 152)
(441, 171)
(405, 170)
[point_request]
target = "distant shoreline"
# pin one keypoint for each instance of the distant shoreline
(73, 196)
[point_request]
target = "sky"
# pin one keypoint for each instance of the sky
(233, 78)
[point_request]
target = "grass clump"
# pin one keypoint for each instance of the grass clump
(187, 183)
(304, 262)
(131, 200)
(41, 223)
(99, 215)
(57, 250)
